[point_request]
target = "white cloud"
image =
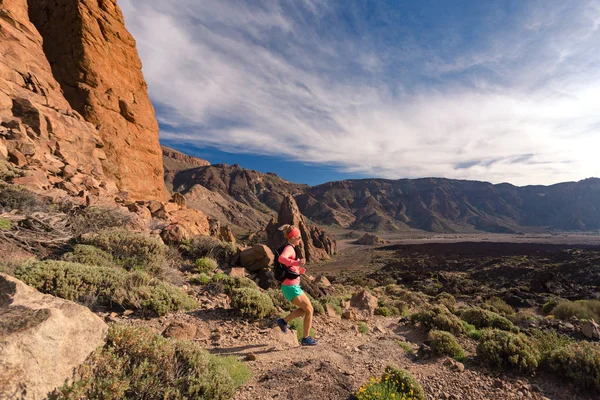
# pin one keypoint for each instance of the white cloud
(253, 79)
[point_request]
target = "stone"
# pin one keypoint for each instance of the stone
(180, 331)
(322, 281)
(237, 272)
(194, 222)
(591, 329)
(370, 240)
(69, 171)
(42, 339)
(3, 151)
(250, 357)
(226, 234)
(315, 245)
(266, 279)
(256, 258)
(363, 300)
(179, 199)
(284, 340)
(32, 181)
(17, 158)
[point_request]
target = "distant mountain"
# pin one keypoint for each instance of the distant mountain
(447, 205)
(248, 199)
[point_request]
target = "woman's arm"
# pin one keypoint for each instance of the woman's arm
(288, 256)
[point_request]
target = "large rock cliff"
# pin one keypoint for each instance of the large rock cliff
(74, 110)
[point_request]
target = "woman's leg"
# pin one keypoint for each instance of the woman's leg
(303, 302)
(298, 312)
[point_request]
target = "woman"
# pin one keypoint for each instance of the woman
(291, 287)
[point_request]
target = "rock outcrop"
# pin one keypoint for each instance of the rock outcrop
(370, 240)
(315, 245)
(95, 61)
(42, 339)
(256, 258)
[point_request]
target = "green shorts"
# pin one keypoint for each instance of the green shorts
(291, 292)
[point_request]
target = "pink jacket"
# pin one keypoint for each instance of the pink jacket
(288, 258)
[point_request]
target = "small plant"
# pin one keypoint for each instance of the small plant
(549, 341)
(279, 300)
(208, 246)
(251, 303)
(131, 250)
(206, 265)
(96, 219)
(14, 197)
(230, 282)
(7, 171)
(384, 311)
(506, 350)
(362, 327)
(447, 300)
(578, 361)
(500, 305)
(438, 317)
(582, 309)
(298, 326)
(138, 364)
(394, 384)
(444, 343)
(199, 279)
(471, 331)
(4, 224)
(486, 319)
(89, 255)
(407, 347)
(551, 304)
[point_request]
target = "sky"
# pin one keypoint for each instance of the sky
(321, 90)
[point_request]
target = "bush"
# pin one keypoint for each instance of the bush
(131, 250)
(96, 219)
(444, 343)
(14, 197)
(208, 246)
(523, 318)
(4, 224)
(385, 311)
(447, 300)
(363, 328)
(438, 317)
(413, 299)
(137, 364)
(107, 286)
(394, 384)
(317, 307)
(7, 171)
(500, 305)
(550, 305)
(471, 331)
(486, 319)
(298, 326)
(549, 341)
(279, 300)
(252, 303)
(578, 361)
(206, 265)
(199, 279)
(582, 309)
(89, 255)
(406, 347)
(504, 350)
(230, 282)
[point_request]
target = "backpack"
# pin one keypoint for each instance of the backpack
(282, 272)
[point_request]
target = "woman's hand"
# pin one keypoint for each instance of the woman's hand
(302, 270)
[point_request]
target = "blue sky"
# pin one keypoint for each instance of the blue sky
(316, 90)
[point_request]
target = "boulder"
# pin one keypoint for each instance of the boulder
(237, 272)
(180, 331)
(256, 258)
(226, 234)
(266, 279)
(315, 245)
(364, 300)
(193, 222)
(42, 339)
(284, 340)
(370, 240)
(591, 329)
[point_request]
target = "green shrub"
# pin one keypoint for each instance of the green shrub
(500, 305)
(486, 319)
(96, 219)
(523, 317)
(447, 300)
(406, 347)
(206, 265)
(7, 171)
(438, 317)
(4, 224)
(298, 326)
(230, 282)
(582, 309)
(252, 303)
(579, 361)
(14, 197)
(506, 350)
(444, 343)
(137, 364)
(333, 302)
(549, 341)
(317, 307)
(89, 255)
(471, 331)
(199, 279)
(549, 305)
(413, 299)
(131, 250)
(279, 300)
(394, 384)
(363, 328)
(385, 311)
(106, 286)
(208, 246)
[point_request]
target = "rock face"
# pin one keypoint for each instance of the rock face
(315, 244)
(42, 339)
(40, 131)
(95, 61)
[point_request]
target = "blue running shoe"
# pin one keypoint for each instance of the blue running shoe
(282, 325)
(308, 341)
